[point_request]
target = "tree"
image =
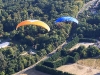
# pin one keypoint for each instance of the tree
(3, 63)
(84, 54)
(1, 29)
(36, 57)
(49, 48)
(2, 73)
(20, 65)
(92, 51)
(76, 56)
(80, 48)
(1, 4)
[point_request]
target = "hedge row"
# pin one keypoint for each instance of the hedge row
(59, 62)
(72, 43)
(50, 71)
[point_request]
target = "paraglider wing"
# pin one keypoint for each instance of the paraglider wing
(33, 22)
(66, 18)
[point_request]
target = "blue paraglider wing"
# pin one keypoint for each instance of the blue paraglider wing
(67, 18)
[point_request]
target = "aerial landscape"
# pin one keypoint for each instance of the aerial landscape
(49, 37)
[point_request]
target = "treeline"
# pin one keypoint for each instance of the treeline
(54, 56)
(82, 52)
(72, 43)
(59, 62)
(89, 52)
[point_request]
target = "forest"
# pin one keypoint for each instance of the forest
(32, 37)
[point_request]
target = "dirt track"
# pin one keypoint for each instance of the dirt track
(79, 44)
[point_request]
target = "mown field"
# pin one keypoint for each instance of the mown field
(91, 62)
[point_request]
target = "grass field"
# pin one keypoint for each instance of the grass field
(93, 63)
(79, 69)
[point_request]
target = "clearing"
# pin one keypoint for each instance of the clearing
(90, 62)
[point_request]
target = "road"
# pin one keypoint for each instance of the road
(44, 58)
(87, 6)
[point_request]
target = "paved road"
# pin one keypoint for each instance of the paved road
(44, 58)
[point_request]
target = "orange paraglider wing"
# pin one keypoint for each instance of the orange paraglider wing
(33, 22)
